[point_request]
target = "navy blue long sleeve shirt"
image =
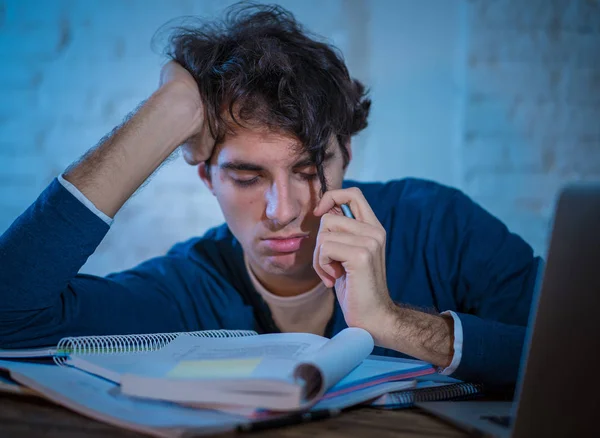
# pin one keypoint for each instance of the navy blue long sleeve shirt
(443, 252)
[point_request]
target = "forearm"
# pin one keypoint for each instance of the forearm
(421, 335)
(44, 249)
(111, 172)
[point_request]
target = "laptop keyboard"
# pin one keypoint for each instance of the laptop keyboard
(500, 420)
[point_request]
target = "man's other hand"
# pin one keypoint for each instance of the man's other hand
(350, 254)
(181, 87)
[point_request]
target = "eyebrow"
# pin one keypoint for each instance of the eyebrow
(241, 166)
(251, 167)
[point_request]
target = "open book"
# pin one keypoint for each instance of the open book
(298, 370)
(282, 372)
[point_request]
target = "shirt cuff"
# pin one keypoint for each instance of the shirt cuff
(458, 343)
(85, 201)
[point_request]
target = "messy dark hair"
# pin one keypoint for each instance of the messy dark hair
(259, 67)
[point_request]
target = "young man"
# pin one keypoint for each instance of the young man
(267, 113)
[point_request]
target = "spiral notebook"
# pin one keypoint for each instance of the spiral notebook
(428, 391)
(112, 344)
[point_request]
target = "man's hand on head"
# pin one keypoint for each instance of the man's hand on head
(181, 88)
(172, 116)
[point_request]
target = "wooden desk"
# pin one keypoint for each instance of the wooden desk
(22, 417)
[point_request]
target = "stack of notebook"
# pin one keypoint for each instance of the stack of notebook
(167, 384)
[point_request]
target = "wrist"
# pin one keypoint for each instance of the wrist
(421, 335)
(179, 109)
(386, 327)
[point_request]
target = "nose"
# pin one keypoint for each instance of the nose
(282, 205)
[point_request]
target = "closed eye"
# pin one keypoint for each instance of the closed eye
(308, 176)
(245, 182)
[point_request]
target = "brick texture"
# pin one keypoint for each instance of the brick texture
(532, 112)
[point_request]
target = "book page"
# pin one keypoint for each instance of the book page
(113, 366)
(270, 356)
(281, 345)
(363, 395)
(380, 369)
(207, 358)
(103, 401)
(327, 366)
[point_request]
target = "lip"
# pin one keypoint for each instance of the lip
(291, 236)
(285, 244)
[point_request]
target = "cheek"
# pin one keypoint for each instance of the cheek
(241, 207)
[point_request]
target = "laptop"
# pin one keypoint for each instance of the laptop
(558, 391)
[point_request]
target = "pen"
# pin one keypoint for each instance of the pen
(288, 420)
(347, 212)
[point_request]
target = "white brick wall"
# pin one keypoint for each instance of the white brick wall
(500, 98)
(532, 117)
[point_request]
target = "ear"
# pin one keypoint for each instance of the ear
(348, 147)
(204, 174)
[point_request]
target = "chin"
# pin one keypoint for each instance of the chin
(284, 264)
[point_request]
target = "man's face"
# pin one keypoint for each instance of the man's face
(267, 192)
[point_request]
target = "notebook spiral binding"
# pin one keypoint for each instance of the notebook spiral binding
(456, 392)
(115, 344)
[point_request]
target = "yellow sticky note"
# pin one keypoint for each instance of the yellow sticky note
(214, 369)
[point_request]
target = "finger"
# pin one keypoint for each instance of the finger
(330, 271)
(199, 147)
(332, 252)
(335, 223)
(367, 242)
(334, 270)
(165, 73)
(327, 273)
(170, 72)
(353, 197)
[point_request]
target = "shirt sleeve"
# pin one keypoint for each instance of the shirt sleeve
(84, 200)
(491, 274)
(43, 297)
(458, 344)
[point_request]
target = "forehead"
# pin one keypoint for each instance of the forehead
(259, 146)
